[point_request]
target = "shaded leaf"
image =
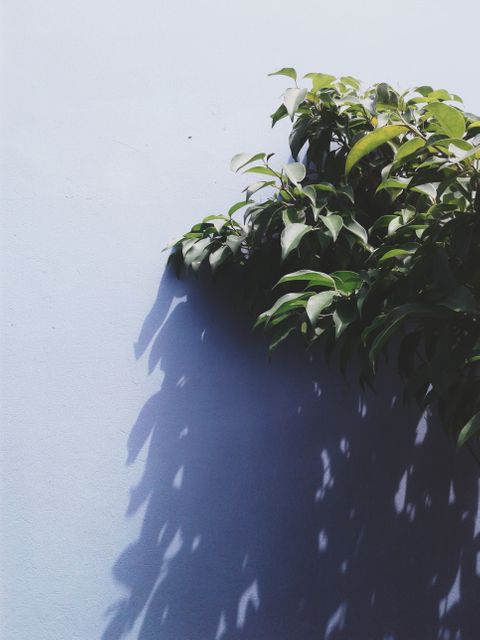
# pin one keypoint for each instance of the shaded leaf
(334, 224)
(217, 257)
(394, 253)
(347, 281)
(285, 303)
(356, 228)
(291, 237)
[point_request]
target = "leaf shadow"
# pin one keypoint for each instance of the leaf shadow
(280, 503)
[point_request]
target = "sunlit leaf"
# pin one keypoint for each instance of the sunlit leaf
(286, 71)
(450, 119)
(256, 186)
(320, 80)
(372, 141)
(242, 159)
(295, 172)
(408, 148)
(292, 99)
(316, 278)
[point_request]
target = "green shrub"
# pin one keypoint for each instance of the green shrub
(374, 235)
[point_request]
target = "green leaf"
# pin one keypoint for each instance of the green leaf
(234, 243)
(280, 113)
(317, 303)
(241, 159)
(285, 71)
(383, 338)
(217, 221)
(356, 228)
(316, 278)
(429, 189)
(320, 80)
(460, 299)
(288, 325)
(394, 253)
(196, 252)
(383, 221)
(347, 191)
(217, 257)
(408, 148)
(285, 303)
(372, 141)
(292, 99)
(450, 119)
(345, 313)
(350, 81)
(291, 237)
(256, 186)
(299, 135)
(334, 224)
(469, 430)
(238, 205)
(394, 183)
(261, 169)
(295, 172)
(347, 281)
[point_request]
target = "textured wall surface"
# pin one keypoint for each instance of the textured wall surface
(160, 479)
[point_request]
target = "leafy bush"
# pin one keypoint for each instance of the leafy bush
(373, 236)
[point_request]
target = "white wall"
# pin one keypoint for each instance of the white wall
(118, 123)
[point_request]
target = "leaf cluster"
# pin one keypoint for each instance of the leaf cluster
(368, 238)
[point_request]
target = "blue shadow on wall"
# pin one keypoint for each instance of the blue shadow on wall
(282, 505)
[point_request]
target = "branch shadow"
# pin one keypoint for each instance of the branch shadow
(280, 504)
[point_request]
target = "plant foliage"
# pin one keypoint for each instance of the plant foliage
(369, 237)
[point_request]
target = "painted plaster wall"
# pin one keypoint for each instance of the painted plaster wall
(159, 478)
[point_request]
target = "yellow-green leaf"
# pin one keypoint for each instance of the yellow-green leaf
(470, 429)
(285, 71)
(450, 119)
(372, 141)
